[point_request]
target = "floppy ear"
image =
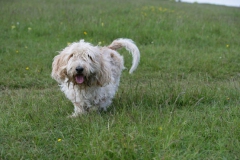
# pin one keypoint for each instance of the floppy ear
(59, 71)
(104, 74)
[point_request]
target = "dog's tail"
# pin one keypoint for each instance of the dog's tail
(131, 47)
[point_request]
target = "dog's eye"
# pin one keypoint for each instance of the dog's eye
(90, 57)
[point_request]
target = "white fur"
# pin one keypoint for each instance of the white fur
(99, 80)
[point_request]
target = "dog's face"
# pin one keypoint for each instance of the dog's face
(82, 64)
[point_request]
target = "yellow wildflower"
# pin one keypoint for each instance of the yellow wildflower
(27, 68)
(160, 128)
(16, 51)
(13, 27)
(227, 45)
(59, 140)
(85, 33)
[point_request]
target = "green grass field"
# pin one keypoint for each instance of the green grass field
(183, 102)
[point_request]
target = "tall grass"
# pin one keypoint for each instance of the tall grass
(181, 103)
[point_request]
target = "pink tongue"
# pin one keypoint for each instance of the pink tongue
(79, 79)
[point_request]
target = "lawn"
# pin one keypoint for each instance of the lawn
(183, 101)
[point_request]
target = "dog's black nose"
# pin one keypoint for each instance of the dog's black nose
(79, 69)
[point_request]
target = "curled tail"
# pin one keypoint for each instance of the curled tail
(131, 47)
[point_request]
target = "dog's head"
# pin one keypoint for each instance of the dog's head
(82, 64)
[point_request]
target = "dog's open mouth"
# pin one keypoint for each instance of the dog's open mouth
(79, 78)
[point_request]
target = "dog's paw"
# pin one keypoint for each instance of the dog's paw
(74, 115)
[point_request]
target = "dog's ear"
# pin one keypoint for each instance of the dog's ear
(59, 71)
(104, 74)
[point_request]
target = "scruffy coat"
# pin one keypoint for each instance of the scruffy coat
(89, 75)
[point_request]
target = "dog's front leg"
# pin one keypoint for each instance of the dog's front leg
(78, 110)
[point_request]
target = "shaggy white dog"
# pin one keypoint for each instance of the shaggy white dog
(89, 75)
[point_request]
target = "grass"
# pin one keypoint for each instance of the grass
(181, 103)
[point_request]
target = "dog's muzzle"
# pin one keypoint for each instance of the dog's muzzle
(79, 76)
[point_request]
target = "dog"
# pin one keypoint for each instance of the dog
(90, 75)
